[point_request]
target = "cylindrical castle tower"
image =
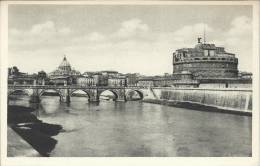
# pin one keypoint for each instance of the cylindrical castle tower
(205, 61)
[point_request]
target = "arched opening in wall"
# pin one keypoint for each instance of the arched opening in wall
(108, 95)
(79, 96)
(19, 97)
(134, 95)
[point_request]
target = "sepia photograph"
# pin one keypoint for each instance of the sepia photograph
(122, 79)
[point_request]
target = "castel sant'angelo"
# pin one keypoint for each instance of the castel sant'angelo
(206, 61)
(208, 64)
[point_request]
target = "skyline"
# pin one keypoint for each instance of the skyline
(122, 38)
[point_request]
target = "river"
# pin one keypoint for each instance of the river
(134, 128)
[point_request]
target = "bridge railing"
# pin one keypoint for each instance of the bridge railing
(73, 87)
(121, 87)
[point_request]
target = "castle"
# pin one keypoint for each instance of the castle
(205, 61)
(204, 66)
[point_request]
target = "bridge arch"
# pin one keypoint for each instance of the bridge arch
(109, 90)
(50, 90)
(140, 93)
(85, 91)
(27, 92)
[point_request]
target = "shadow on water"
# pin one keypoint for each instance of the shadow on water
(37, 133)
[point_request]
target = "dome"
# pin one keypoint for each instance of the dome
(65, 65)
(64, 69)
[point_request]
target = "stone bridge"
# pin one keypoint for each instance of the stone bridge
(65, 92)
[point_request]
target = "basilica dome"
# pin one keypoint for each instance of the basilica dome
(64, 69)
(65, 65)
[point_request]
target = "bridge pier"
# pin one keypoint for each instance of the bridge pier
(65, 96)
(121, 95)
(35, 99)
(94, 96)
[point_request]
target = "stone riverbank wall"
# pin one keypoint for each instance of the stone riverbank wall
(239, 100)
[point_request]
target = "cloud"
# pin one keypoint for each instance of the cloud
(65, 31)
(47, 27)
(133, 42)
(95, 36)
(46, 34)
(14, 32)
(189, 32)
(132, 27)
(240, 26)
(239, 36)
(238, 39)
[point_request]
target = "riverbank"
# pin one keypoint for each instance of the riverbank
(32, 130)
(18, 147)
(197, 106)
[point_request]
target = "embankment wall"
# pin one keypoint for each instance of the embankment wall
(225, 98)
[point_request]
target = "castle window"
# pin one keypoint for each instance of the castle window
(205, 58)
(223, 59)
(212, 58)
(206, 53)
(211, 52)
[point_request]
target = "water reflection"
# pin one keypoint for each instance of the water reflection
(143, 129)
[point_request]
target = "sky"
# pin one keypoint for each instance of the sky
(125, 38)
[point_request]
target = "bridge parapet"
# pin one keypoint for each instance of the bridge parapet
(65, 92)
(73, 87)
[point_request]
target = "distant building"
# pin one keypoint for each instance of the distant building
(90, 73)
(86, 81)
(131, 79)
(119, 80)
(106, 78)
(15, 77)
(24, 79)
(183, 79)
(64, 74)
(109, 73)
(146, 81)
(99, 78)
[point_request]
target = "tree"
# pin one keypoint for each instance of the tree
(42, 75)
(16, 70)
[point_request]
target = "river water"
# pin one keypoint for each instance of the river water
(134, 129)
